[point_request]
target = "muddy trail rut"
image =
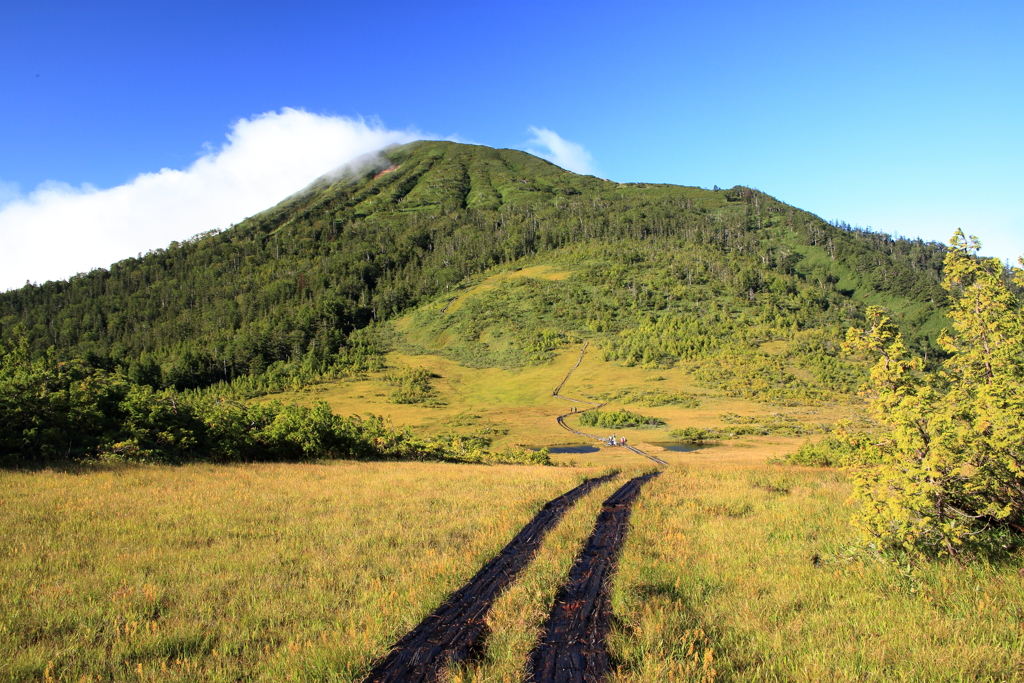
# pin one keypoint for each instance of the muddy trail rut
(455, 631)
(593, 406)
(573, 647)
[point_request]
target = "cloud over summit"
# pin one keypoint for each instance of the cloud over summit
(58, 230)
(569, 155)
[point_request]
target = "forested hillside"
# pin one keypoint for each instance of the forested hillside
(285, 289)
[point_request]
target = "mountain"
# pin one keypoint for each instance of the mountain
(661, 274)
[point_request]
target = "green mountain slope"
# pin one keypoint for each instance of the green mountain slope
(663, 273)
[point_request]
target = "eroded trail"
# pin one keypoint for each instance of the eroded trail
(573, 647)
(593, 406)
(456, 629)
(450, 302)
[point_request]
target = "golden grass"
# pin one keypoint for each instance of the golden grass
(743, 572)
(260, 572)
(517, 407)
(542, 272)
(732, 570)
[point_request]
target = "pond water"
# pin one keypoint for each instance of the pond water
(681, 447)
(580, 448)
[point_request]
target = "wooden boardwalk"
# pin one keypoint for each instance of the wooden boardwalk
(453, 631)
(573, 648)
(593, 406)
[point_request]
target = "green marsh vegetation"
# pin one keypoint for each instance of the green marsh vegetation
(411, 385)
(831, 451)
(773, 424)
(650, 398)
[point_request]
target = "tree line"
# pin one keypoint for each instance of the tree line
(54, 410)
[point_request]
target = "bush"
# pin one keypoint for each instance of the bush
(831, 451)
(775, 424)
(650, 398)
(695, 434)
(52, 411)
(618, 420)
(412, 385)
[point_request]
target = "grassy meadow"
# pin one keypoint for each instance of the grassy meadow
(515, 406)
(734, 570)
(747, 573)
(259, 572)
(484, 382)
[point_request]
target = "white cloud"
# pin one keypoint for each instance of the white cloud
(59, 230)
(455, 137)
(568, 155)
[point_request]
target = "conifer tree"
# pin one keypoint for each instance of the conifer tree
(951, 466)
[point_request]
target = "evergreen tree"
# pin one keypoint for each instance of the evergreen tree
(950, 470)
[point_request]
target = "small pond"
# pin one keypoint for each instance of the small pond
(579, 448)
(676, 447)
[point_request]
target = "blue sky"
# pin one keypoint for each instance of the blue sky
(903, 116)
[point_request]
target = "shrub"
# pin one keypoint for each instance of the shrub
(618, 420)
(412, 385)
(650, 398)
(52, 411)
(695, 434)
(831, 451)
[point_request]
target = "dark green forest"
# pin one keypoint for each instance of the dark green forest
(302, 291)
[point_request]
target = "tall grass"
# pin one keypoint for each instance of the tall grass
(259, 572)
(307, 572)
(740, 573)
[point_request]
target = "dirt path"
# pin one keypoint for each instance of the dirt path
(593, 406)
(456, 629)
(450, 302)
(573, 647)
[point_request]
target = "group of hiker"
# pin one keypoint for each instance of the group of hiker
(613, 440)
